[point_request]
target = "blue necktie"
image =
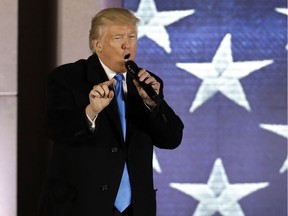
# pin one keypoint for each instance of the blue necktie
(123, 198)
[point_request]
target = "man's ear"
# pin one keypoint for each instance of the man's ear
(97, 46)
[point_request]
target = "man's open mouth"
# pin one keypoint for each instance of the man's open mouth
(126, 57)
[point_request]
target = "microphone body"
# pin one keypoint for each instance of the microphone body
(133, 70)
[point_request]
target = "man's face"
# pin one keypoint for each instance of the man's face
(116, 42)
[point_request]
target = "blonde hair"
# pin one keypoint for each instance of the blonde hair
(106, 17)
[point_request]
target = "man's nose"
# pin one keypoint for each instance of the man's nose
(126, 43)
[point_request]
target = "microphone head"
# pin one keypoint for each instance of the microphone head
(132, 68)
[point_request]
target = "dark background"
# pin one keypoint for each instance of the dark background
(36, 58)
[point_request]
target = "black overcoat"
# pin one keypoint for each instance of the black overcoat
(85, 169)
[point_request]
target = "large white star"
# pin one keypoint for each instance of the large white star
(153, 22)
(281, 130)
(218, 195)
(222, 75)
(283, 11)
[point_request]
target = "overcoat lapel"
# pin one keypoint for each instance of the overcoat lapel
(96, 75)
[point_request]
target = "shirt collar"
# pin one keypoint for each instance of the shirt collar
(109, 72)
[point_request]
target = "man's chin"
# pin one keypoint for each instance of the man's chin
(122, 69)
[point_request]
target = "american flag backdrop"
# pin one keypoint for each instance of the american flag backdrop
(224, 67)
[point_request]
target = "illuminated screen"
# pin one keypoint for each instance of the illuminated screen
(224, 67)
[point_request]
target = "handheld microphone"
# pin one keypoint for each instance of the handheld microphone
(133, 70)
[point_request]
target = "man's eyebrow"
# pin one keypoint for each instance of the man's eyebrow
(117, 35)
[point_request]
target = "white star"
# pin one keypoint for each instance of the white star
(283, 11)
(156, 165)
(222, 75)
(218, 195)
(281, 130)
(153, 22)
